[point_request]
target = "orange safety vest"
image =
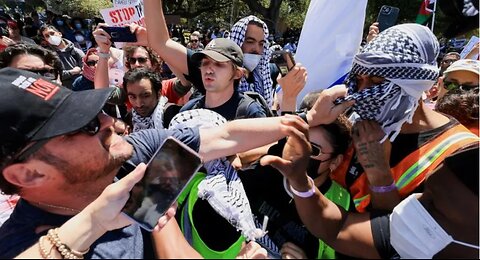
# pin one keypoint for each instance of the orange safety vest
(410, 172)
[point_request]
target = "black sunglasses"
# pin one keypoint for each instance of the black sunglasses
(50, 74)
(448, 85)
(140, 60)
(194, 40)
(316, 150)
(91, 63)
(92, 128)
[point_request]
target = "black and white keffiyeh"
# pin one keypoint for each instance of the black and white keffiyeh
(222, 187)
(155, 120)
(263, 81)
(405, 55)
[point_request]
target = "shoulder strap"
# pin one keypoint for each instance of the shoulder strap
(249, 98)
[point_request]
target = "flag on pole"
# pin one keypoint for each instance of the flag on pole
(330, 38)
(426, 12)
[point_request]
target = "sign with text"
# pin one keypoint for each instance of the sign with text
(123, 15)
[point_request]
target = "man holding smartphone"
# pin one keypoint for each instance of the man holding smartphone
(59, 153)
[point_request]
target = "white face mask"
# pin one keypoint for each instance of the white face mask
(79, 38)
(250, 61)
(55, 40)
(414, 233)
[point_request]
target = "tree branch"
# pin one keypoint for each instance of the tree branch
(255, 5)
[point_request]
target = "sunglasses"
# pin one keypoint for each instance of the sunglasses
(316, 150)
(140, 60)
(448, 85)
(92, 63)
(92, 128)
(193, 40)
(50, 74)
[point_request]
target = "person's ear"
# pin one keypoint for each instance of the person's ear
(335, 162)
(23, 175)
(239, 73)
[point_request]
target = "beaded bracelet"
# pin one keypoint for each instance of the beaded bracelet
(62, 248)
(43, 251)
(383, 189)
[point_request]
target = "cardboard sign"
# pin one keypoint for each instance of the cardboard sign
(124, 15)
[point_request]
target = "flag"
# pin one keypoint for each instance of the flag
(330, 38)
(426, 11)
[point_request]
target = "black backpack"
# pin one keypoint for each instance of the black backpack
(249, 98)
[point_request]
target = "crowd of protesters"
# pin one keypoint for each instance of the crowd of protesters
(385, 165)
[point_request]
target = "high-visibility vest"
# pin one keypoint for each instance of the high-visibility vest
(189, 197)
(410, 172)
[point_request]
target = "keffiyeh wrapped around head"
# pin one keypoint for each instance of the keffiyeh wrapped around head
(222, 187)
(263, 81)
(405, 55)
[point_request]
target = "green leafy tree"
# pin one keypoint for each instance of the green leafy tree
(81, 8)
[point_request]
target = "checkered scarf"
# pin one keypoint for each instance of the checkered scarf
(405, 55)
(222, 187)
(263, 81)
(155, 120)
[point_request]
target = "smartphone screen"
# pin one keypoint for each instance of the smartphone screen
(167, 173)
(284, 61)
(120, 34)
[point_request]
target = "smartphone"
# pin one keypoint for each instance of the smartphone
(284, 61)
(168, 172)
(387, 17)
(120, 34)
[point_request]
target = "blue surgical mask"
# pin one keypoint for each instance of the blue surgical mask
(60, 23)
(78, 26)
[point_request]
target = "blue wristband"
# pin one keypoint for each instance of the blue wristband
(383, 189)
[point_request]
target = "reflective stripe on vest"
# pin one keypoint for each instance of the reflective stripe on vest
(410, 172)
(188, 227)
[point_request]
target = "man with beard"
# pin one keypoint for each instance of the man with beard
(387, 80)
(58, 152)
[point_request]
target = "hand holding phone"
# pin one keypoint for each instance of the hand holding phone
(284, 61)
(387, 17)
(167, 174)
(120, 34)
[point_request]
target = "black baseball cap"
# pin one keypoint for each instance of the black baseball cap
(221, 50)
(33, 108)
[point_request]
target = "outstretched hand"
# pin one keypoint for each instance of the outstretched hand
(295, 155)
(324, 111)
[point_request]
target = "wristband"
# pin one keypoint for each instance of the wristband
(104, 55)
(305, 194)
(303, 116)
(383, 189)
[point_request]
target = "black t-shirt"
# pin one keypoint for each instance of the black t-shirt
(380, 225)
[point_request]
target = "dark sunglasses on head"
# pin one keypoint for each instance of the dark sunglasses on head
(448, 85)
(92, 128)
(47, 73)
(140, 60)
(92, 63)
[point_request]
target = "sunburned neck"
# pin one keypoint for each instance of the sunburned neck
(424, 119)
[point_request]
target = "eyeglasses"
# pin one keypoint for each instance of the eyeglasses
(92, 63)
(193, 40)
(448, 85)
(92, 128)
(140, 60)
(316, 150)
(48, 73)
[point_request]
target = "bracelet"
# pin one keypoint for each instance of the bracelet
(305, 194)
(303, 116)
(62, 248)
(43, 251)
(383, 189)
(104, 55)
